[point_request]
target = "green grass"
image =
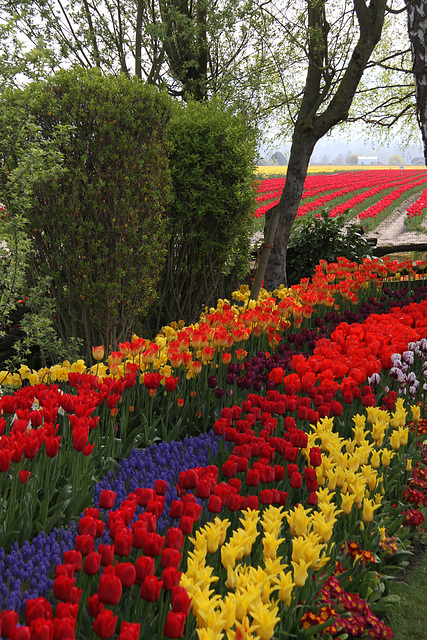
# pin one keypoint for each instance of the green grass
(408, 618)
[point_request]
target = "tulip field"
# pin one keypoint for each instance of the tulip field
(368, 195)
(260, 474)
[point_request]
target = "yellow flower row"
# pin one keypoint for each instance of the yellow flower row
(246, 603)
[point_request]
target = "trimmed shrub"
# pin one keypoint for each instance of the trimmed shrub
(210, 219)
(323, 238)
(100, 231)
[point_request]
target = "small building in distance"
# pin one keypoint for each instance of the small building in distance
(367, 160)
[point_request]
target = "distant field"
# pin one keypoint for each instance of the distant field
(369, 194)
(327, 168)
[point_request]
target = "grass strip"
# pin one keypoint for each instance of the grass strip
(408, 618)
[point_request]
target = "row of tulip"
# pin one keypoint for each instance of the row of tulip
(65, 434)
(318, 389)
(367, 187)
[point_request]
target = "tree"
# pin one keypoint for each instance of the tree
(396, 161)
(352, 160)
(417, 29)
(332, 77)
(194, 48)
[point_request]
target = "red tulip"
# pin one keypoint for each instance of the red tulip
(266, 496)
(85, 544)
(66, 610)
(110, 587)
(107, 499)
(94, 606)
(129, 631)
(174, 538)
(64, 628)
(171, 577)
(144, 566)
(92, 563)
(153, 544)
(73, 557)
(123, 542)
(186, 524)
(214, 504)
(37, 608)
(62, 587)
(150, 588)
(8, 622)
(24, 475)
(252, 478)
(181, 601)
(174, 625)
(171, 557)
(296, 480)
(41, 629)
(106, 552)
(315, 456)
(126, 572)
(176, 510)
(80, 436)
(87, 525)
(105, 624)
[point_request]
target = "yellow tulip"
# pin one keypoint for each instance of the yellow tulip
(325, 495)
(403, 433)
(386, 457)
(375, 459)
(265, 619)
(298, 520)
(285, 585)
(300, 572)
(347, 501)
(244, 601)
(372, 413)
(378, 430)
(398, 418)
(408, 464)
(368, 510)
(228, 608)
(416, 413)
(395, 440)
(210, 617)
(323, 527)
(340, 476)
(270, 545)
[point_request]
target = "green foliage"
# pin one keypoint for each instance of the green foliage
(99, 230)
(396, 161)
(26, 161)
(211, 214)
(323, 238)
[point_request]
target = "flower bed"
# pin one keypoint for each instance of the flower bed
(368, 185)
(269, 485)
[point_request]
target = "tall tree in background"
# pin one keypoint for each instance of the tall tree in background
(338, 47)
(417, 29)
(192, 47)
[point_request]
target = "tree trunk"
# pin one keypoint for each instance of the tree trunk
(314, 120)
(417, 29)
(301, 150)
